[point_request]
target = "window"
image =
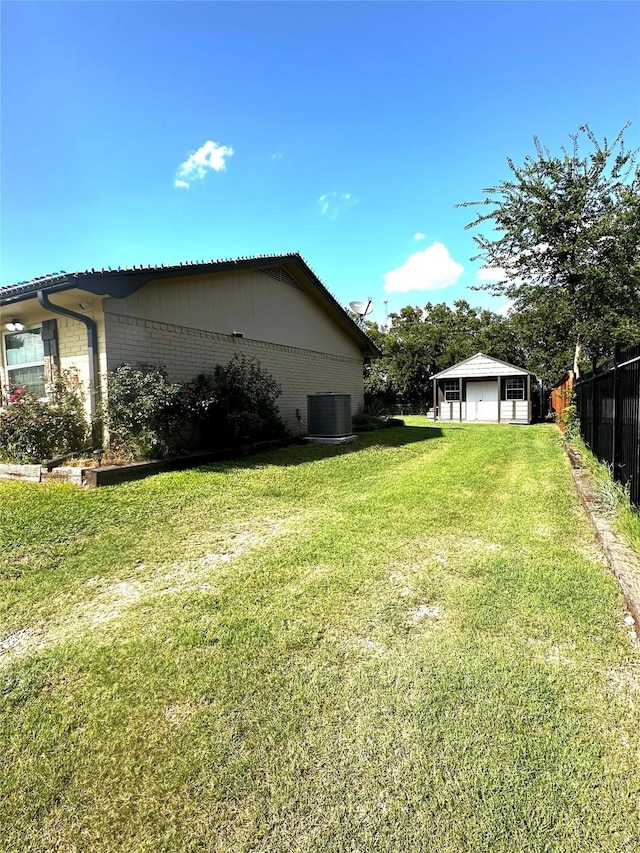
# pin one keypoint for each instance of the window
(451, 390)
(24, 359)
(515, 388)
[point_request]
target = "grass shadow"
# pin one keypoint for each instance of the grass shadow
(230, 458)
(304, 453)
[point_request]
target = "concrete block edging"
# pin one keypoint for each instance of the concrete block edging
(623, 560)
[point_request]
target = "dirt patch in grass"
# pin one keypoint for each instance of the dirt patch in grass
(106, 601)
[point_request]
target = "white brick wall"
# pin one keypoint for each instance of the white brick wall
(186, 352)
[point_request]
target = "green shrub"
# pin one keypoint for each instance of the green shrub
(33, 430)
(237, 403)
(569, 422)
(373, 415)
(146, 416)
(375, 408)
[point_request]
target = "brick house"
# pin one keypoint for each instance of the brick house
(187, 318)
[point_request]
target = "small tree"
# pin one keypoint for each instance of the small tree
(567, 233)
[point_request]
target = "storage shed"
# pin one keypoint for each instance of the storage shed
(483, 389)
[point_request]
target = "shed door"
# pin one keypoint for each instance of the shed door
(482, 400)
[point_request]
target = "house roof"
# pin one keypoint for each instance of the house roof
(479, 366)
(120, 282)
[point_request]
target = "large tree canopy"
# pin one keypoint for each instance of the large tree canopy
(565, 245)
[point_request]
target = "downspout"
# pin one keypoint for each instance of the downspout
(92, 347)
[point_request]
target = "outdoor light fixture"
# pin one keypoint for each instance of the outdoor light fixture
(14, 326)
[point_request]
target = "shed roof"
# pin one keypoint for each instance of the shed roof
(120, 282)
(480, 366)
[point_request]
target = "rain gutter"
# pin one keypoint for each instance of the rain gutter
(92, 347)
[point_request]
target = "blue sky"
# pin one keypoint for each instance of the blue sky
(158, 132)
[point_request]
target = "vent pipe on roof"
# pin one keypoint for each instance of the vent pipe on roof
(92, 347)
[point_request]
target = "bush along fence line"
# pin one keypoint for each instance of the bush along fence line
(608, 404)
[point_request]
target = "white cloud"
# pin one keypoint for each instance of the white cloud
(419, 235)
(431, 269)
(506, 309)
(333, 204)
(511, 267)
(486, 274)
(208, 156)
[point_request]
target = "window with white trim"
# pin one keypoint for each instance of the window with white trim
(515, 388)
(451, 390)
(24, 359)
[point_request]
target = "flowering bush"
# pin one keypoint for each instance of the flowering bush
(33, 430)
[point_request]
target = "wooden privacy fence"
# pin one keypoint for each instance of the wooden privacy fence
(562, 396)
(608, 402)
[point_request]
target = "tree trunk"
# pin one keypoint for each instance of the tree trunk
(576, 359)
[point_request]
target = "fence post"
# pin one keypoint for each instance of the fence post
(614, 451)
(593, 404)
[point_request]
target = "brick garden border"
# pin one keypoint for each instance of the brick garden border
(111, 475)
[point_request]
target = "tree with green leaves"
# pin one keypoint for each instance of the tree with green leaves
(545, 333)
(566, 241)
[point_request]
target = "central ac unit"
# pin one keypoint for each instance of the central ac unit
(329, 413)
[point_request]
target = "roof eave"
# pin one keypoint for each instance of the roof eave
(121, 283)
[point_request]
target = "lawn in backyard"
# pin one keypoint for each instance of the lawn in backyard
(406, 644)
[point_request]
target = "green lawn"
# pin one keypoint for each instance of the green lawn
(408, 644)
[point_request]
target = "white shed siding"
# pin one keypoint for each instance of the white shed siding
(510, 410)
(450, 411)
(515, 410)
